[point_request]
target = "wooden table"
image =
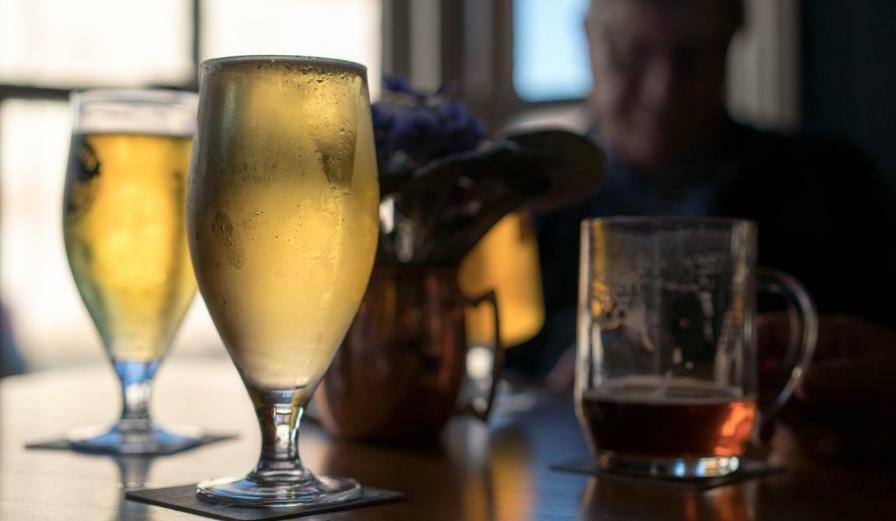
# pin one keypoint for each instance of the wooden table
(475, 472)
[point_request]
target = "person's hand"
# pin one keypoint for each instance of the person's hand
(845, 404)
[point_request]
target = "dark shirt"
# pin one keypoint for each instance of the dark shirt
(822, 215)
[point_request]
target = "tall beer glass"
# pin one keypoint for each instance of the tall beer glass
(283, 223)
(125, 236)
(666, 374)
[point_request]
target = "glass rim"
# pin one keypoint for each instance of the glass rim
(336, 63)
(134, 95)
(673, 220)
(166, 112)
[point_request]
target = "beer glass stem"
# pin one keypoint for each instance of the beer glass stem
(279, 478)
(279, 415)
(136, 389)
(134, 432)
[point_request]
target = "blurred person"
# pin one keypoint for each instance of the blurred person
(672, 149)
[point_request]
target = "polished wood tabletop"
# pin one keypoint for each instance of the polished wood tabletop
(499, 471)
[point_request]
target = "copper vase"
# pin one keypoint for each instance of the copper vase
(400, 368)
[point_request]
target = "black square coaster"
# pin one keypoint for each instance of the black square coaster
(749, 469)
(184, 499)
(64, 444)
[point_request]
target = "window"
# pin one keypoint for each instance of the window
(550, 55)
(347, 29)
(49, 48)
(95, 42)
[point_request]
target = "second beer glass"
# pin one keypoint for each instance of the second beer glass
(123, 224)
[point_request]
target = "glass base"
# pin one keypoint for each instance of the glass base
(278, 490)
(118, 440)
(707, 467)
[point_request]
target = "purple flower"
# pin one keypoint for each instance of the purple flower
(397, 84)
(419, 133)
(412, 128)
(462, 130)
(383, 122)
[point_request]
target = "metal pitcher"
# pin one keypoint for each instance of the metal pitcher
(400, 368)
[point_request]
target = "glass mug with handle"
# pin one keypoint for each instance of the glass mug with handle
(283, 224)
(666, 368)
(125, 238)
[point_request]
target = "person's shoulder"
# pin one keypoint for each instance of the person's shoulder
(801, 176)
(802, 157)
(798, 145)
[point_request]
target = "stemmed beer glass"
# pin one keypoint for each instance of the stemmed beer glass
(283, 223)
(124, 230)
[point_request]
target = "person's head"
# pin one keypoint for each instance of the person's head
(659, 70)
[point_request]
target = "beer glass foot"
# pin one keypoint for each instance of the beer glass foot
(119, 440)
(278, 489)
(707, 467)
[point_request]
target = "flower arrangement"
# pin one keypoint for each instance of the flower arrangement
(412, 128)
(444, 185)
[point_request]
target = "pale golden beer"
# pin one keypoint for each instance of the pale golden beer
(124, 230)
(284, 218)
(123, 220)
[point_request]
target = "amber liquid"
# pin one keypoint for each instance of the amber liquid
(283, 214)
(125, 238)
(667, 417)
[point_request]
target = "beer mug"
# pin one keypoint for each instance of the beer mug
(666, 368)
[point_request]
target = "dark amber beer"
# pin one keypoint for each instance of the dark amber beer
(668, 418)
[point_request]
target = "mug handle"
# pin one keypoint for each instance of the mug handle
(481, 407)
(803, 328)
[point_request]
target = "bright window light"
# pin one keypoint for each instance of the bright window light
(95, 42)
(550, 54)
(344, 29)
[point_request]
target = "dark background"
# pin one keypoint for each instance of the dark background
(849, 74)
